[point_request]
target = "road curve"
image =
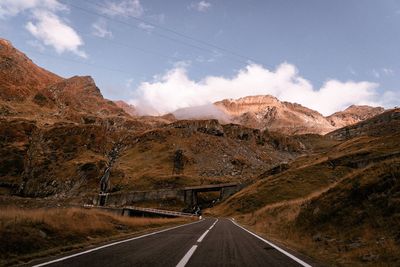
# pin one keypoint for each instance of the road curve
(210, 242)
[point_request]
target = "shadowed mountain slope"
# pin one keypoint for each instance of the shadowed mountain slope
(342, 199)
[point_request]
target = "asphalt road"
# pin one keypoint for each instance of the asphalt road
(210, 242)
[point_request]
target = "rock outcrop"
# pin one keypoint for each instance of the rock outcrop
(130, 109)
(353, 114)
(267, 112)
(19, 76)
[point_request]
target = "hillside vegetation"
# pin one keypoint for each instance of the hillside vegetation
(340, 205)
(30, 233)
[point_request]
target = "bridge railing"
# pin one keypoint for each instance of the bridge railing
(158, 211)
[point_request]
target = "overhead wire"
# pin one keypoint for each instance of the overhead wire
(216, 47)
(157, 33)
(78, 62)
(167, 29)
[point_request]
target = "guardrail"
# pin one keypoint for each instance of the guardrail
(164, 212)
(151, 210)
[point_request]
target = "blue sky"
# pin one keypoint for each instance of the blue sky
(163, 55)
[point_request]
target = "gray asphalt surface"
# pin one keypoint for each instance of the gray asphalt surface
(224, 245)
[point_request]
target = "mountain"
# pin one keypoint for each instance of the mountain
(353, 114)
(385, 123)
(19, 76)
(333, 196)
(342, 199)
(267, 112)
(78, 94)
(130, 109)
(58, 135)
(28, 90)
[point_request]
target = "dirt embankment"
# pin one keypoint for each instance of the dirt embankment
(27, 234)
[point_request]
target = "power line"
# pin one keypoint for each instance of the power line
(93, 65)
(135, 27)
(181, 34)
(155, 33)
(139, 49)
(79, 62)
(128, 46)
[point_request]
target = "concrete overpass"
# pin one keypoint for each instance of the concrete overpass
(188, 195)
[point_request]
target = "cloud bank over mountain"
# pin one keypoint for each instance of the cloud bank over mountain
(175, 90)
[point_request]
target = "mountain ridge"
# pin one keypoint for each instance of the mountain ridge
(268, 112)
(27, 87)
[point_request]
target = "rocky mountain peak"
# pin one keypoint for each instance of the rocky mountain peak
(4, 42)
(128, 108)
(354, 114)
(247, 104)
(82, 85)
(19, 76)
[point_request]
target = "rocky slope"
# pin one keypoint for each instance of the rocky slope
(267, 112)
(19, 76)
(56, 133)
(353, 114)
(27, 90)
(59, 135)
(340, 200)
(130, 109)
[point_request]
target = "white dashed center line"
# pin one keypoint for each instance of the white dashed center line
(189, 254)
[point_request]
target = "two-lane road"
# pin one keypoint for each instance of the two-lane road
(209, 242)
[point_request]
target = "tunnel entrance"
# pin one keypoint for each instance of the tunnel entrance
(208, 193)
(207, 199)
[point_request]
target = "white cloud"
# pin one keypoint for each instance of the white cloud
(160, 18)
(123, 8)
(52, 31)
(376, 74)
(145, 26)
(175, 90)
(388, 71)
(10, 8)
(45, 25)
(201, 6)
(210, 59)
(99, 29)
(128, 82)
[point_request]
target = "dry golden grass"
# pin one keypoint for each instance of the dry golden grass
(339, 238)
(339, 206)
(311, 174)
(26, 234)
(334, 248)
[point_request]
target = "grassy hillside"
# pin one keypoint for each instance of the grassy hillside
(339, 205)
(211, 153)
(30, 233)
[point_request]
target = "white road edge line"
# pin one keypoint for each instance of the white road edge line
(187, 256)
(275, 246)
(202, 236)
(113, 244)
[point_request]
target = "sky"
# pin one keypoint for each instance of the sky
(164, 55)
